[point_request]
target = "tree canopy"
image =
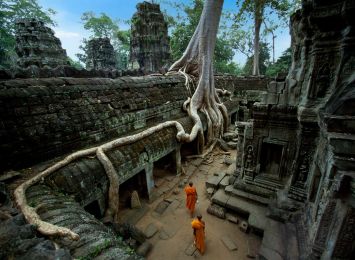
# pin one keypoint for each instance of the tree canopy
(282, 64)
(183, 29)
(103, 26)
(259, 11)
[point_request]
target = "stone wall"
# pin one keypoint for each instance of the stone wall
(47, 117)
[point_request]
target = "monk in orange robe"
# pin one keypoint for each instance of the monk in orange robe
(191, 198)
(198, 226)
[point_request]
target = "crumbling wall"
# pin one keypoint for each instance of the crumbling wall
(47, 117)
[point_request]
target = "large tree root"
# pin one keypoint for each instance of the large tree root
(113, 197)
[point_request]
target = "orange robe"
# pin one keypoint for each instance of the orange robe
(199, 233)
(191, 198)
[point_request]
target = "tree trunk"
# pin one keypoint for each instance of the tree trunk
(258, 18)
(256, 70)
(198, 60)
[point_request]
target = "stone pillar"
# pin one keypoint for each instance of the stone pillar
(307, 138)
(178, 159)
(149, 177)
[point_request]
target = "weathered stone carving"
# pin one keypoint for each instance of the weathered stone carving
(100, 54)
(149, 39)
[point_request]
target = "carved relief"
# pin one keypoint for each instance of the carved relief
(346, 237)
(348, 68)
(324, 224)
(322, 76)
(249, 157)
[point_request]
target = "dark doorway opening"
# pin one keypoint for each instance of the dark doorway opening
(164, 167)
(94, 209)
(189, 148)
(270, 160)
(234, 118)
(137, 182)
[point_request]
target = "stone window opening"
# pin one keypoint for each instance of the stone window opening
(271, 159)
(165, 166)
(138, 183)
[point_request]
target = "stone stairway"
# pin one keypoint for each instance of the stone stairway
(297, 192)
(280, 241)
(264, 182)
(96, 240)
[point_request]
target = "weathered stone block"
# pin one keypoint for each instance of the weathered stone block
(244, 226)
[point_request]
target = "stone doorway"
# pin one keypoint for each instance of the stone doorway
(271, 159)
(164, 167)
(138, 183)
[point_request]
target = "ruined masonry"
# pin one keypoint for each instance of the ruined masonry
(100, 54)
(150, 49)
(294, 177)
(37, 45)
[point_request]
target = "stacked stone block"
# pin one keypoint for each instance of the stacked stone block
(37, 45)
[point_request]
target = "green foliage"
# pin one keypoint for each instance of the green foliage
(264, 57)
(282, 64)
(10, 11)
(262, 12)
(74, 63)
(104, 27)
(184, 27)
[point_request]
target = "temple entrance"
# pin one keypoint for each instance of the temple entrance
(94, 209)
(270, 160)
(164, 167)
(137, 182)
(189, 148)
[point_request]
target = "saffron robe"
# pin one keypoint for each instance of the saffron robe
(199, 234)
(191, 198)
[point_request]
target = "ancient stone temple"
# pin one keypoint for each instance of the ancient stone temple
(296, 150)
(292, 181)
(149, 38)
(100, 54)
(37, 45)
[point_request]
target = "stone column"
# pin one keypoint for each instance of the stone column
(149, 177)
(178, 159)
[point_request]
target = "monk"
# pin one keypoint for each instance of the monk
(191, 198)
(198, 226)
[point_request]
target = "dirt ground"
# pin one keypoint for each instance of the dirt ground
(174, 238)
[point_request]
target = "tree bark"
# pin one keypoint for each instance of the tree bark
(256, 70)
(197, 60)
(258, 18)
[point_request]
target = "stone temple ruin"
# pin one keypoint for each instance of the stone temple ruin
(100, 54)
(37, 45)
(149, 38)
(295, 170)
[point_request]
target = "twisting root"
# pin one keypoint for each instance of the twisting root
(112, 211)
(30, 213)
